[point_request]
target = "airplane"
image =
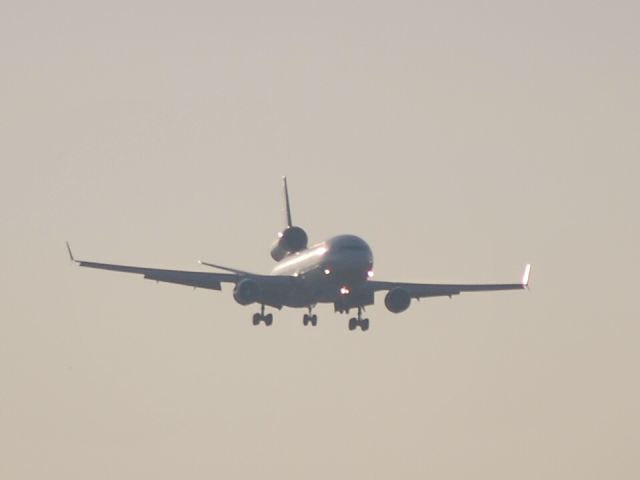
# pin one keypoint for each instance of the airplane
(337, 271)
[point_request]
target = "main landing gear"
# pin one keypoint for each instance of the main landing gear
(363, 323)
(308, 318)
(261, 317)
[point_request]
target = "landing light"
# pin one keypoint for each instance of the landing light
(370, 274)
(345, 291)
(327, 271)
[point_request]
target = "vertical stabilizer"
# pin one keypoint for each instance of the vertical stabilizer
(291, 239)
(286, 202)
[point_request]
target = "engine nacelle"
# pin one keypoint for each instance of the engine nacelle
(246, 291)
(291, 240)
(397, 300)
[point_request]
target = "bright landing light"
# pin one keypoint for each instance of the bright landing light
(344, 290)
(370, 273)
(327, 271)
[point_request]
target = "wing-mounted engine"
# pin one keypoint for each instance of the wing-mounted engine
(246, 291)
(290, 240)
(397, 300)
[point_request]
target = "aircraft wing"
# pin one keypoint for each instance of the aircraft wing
(422, 290)
(208, 280)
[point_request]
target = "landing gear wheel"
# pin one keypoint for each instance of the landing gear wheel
(358, 321)
(353, 323)
(310, 319)
(260, 316)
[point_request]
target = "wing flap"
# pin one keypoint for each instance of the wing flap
(190, 279)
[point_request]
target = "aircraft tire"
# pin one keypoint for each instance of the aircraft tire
(353, 323)
(314, 320)
(364, 325)
(256, 319)
(268, 319)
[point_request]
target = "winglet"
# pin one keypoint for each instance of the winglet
(525, 276)
(70, 254)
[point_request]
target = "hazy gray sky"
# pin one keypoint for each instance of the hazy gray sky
(460, 139)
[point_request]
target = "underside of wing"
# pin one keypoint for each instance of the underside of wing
(272, 289)
(422, 290)
(207, 280)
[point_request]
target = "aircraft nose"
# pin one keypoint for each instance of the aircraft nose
(351, 256)
(356, 264)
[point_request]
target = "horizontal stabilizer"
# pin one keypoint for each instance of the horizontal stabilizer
(228, 269)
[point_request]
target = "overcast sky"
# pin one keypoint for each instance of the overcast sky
(460, 139)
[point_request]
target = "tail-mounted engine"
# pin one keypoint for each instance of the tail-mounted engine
(291, 240)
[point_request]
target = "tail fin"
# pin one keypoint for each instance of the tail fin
(286, 202)
(291, 239)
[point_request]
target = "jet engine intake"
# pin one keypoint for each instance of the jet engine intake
(246, 291)
(289, 241)
(397, 300)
